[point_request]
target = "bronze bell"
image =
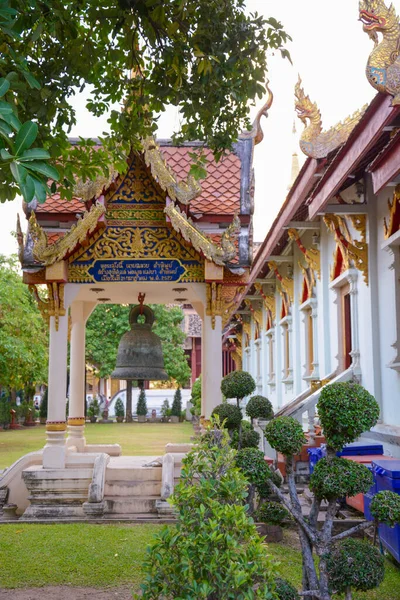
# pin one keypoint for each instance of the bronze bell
(140, 354)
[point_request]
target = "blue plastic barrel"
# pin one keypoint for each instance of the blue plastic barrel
(387, 477)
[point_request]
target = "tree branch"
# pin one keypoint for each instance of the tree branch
(293, 511)
(353, 530)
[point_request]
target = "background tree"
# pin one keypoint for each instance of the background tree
(207, 57)
(141, 407)
(109, 322)
(23, 333)
(176, 408)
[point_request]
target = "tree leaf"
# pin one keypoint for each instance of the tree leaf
(43, 168)
(25, 136)
(4, 86)
(34, 154)
(19, 172)
(5, 155)
(28, 189)
(40, 190)
(32, 81)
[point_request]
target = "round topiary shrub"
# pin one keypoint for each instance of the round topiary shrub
(346, 410)
(228, 414)
(272, 513)
(238, 384)
(284, 590)
(353, 564)
(250, 439)
(259, 407)
(385, 507)
(251, 462)
(286, 435)
(338, 477)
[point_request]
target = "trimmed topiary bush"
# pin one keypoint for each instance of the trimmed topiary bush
(338, 477)
(251, 462)
(119, 408)
(141, 407)
(286, 435)
(230, 414)
(284, 590)
(259, 407)
(43, 405)
(250, 438)
(353, 564)
(238, 384)
(176, 408)
(346, 410)
(385, 507)
(272, 513)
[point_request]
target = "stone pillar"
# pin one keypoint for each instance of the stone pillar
(211, 365)
(76, 407)
(55, 448)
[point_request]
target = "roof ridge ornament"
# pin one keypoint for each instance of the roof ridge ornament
(256, 131)
(383, 67)
(48, 254)
(219, 254)
(181, 191)
(315, 142)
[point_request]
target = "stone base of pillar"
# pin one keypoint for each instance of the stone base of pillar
(55, 450)
(76, 437)
(94, 509)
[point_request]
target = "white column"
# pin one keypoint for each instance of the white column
(211, 365)
(55, 448)
(355, 343)
(76, 407)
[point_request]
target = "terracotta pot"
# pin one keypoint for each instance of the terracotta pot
(174, 419)
(272, 533)
(141, 418)
(120, 419)
(93, 419)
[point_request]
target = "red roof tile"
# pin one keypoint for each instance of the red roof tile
(220, 190)
(54, 204)
(52, 238)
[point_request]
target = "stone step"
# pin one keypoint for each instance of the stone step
(130, 468)
(132, 488)
(121, 505)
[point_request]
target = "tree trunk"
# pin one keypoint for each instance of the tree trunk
(349, 595)
(128, 418)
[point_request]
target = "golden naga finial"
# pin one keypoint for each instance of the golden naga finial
(256, 131)
(383, 68)
(315, 142)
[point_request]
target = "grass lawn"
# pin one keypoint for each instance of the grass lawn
(111, 555)
(138, 439)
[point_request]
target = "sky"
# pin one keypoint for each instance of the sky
(329, 50)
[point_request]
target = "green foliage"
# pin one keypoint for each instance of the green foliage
(273, 513)
(107, 324)
(286, 435)
(284, 590)
(94, 408)
(229, 415)
(259, 407)
(176, 408)
(43, 405)
(214, 551)
(338, 477)
(23, 333)
(237, 384)
(206, 58)
(5, 417)
(141, 407)
(119, 408)
(251, 462)
(346, 410)
(249, 437)
(165, 410)
(356, 565)
(385, 507)
(196, 397)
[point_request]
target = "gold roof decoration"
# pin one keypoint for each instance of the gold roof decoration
(48, 254)
(89, 189)
(351, 250)
(183, 192)
(315, 142)
(219, 254)
(383, 67)
(256, 131)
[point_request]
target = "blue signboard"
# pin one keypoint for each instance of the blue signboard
(139, 270)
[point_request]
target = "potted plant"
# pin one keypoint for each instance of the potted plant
(119, 410)
(93, 410)
(270, 517)
(141, 407)
(176, 409)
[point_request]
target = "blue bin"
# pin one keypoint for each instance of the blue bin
(315, 454)
(387, 477)
(361, 450)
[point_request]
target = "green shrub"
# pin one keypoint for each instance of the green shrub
(43, 405)
(286, 435)
(251, 462)
(176, 409)
(119, 408)
(214, 550)
(284, 590)
(165, 409)
(346, 410)
(229, 414)
(94, 408)
(385, 507)
(237, 384)
(141, 406)
(338, 477)
(259, 407)
(5, 417)
(353, 564)
(196, 397)
(249, 439)
(272, 513)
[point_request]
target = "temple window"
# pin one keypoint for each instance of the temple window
(286, 329)
(346, 290)
(310, 333)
